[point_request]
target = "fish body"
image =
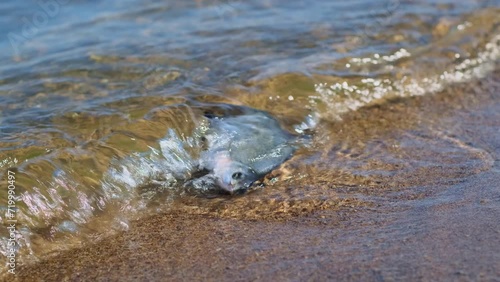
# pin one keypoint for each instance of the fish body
(242, 149)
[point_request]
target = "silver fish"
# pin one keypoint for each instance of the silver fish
(242, 149)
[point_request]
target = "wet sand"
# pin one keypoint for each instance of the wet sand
(435, 224)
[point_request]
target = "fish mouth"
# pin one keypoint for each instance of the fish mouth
(231, 189)
(240, 191)
(234, 191)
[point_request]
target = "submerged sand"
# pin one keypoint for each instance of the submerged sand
(435, 223)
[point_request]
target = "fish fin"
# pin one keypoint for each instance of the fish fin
(209, 115)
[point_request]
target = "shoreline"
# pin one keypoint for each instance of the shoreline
(421, 230)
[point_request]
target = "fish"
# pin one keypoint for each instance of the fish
(244, 148)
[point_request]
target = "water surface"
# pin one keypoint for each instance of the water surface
(89, 96)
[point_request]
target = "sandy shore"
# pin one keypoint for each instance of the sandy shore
(419, 230)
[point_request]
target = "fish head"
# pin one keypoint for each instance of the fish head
(234, 177)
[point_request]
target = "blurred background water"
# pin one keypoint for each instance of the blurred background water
(89, 90)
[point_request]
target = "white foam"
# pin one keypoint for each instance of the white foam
(342, 97)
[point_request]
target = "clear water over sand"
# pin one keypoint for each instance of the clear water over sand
(88, 96)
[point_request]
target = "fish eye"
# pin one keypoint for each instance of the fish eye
(237, 175)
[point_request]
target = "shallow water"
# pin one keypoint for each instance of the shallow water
(99, 104)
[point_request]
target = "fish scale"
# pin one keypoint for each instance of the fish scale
(252, 144)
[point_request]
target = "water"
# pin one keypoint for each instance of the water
(100, 102)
